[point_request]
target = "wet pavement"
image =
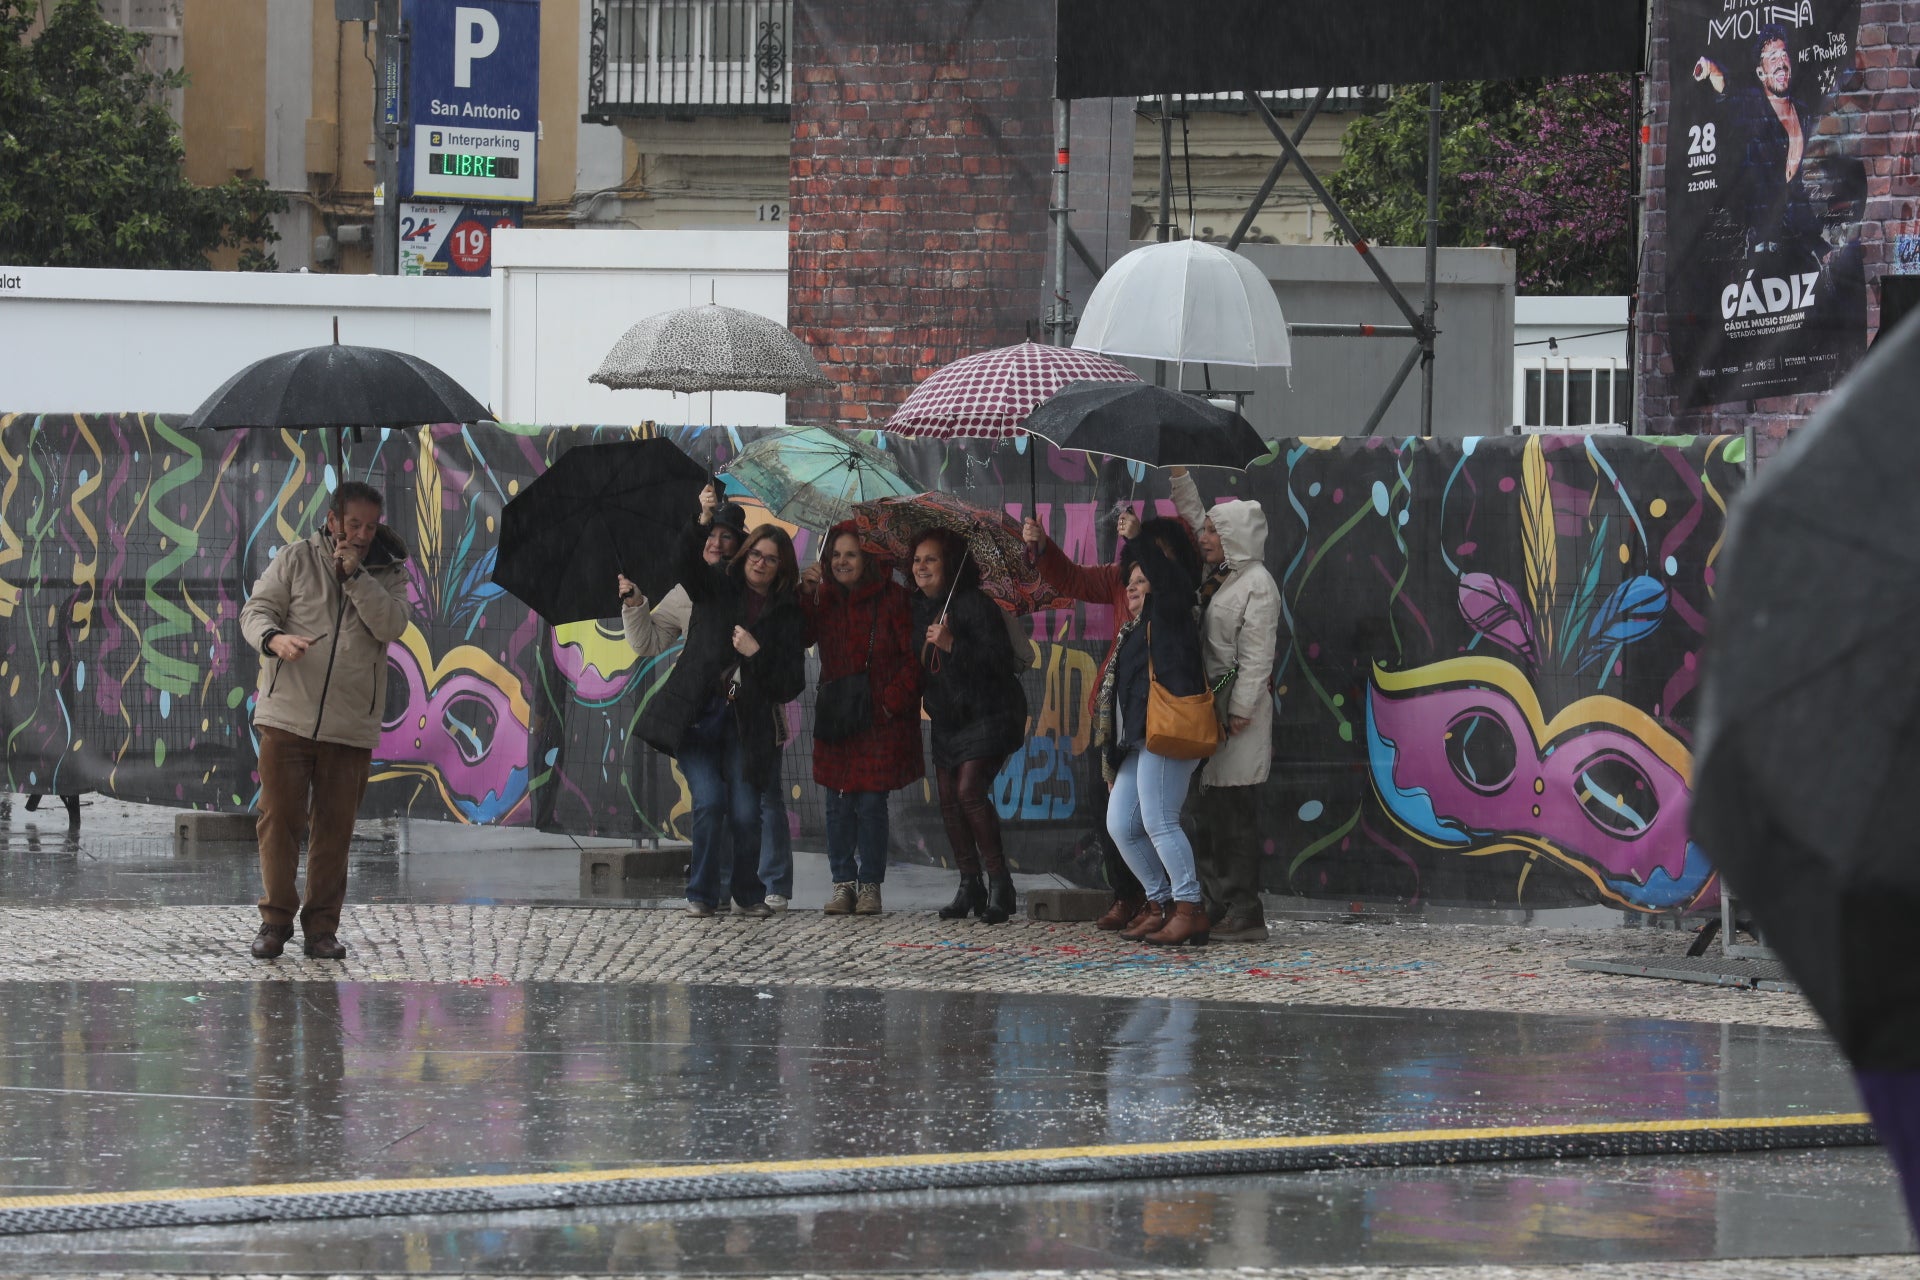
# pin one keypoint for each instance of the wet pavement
(141, 1049)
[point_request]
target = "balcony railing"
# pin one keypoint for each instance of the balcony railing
(690, 58)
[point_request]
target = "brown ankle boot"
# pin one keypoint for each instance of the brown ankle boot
(1151, 916)
(1119, 915)
(1187, 926)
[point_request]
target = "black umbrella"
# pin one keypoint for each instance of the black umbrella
(337, 386)
(599, 511)
(1808, 743)
(1154, 425)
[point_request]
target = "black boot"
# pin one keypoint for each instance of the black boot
(1002, 902)
(972, 896)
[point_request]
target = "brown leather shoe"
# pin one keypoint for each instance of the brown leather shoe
(1187, 926)
(271, 940)
(326, 947)
(1150, 917)
(1119, 915)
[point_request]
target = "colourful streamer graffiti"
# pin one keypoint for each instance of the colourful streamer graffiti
(1485, 693)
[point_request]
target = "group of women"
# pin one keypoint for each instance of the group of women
(885, 653)
(888, 651)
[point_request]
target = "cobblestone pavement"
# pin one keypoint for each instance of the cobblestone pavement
(1503, 968)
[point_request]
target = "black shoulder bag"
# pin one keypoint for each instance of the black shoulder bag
(844, 707)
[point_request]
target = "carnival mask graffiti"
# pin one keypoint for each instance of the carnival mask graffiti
(1463, 759)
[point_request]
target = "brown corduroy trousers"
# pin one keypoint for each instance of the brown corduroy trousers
(313, 789)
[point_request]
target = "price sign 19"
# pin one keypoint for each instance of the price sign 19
(470, 245)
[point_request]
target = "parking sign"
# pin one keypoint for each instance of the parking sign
(475, 94)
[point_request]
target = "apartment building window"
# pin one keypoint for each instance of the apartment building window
(675, 56)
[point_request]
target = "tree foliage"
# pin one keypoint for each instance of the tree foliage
(1542, 167)
(90, 161)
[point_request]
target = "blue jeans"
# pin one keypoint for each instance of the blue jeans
(776, 838)
(1143, 816)
(857, 820)
(726, 813)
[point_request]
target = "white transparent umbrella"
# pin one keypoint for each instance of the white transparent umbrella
(1189, 302)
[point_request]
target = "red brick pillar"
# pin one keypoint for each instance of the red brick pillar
(922, 145)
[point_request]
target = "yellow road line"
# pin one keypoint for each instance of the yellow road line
(860, 1163)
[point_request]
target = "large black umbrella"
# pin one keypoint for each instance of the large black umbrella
(337, 386)
(599, 511)
(1154, 425)
(1807, 752)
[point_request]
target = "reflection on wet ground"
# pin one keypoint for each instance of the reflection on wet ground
(161, 1084)
(1606, 1211)
(157, 1085)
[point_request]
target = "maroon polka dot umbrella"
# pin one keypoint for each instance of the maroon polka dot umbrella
(989, 395)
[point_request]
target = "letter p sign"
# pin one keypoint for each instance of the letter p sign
(476, 33)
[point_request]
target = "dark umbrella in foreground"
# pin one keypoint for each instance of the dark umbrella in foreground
(891, 526)
(599, 511)
(1808, 746)
(337, 386)
(1154, 425)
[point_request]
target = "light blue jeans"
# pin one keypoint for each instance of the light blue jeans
(1143, 817)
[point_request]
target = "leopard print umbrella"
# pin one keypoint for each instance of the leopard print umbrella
(709, 348)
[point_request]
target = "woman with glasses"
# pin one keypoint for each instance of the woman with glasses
(741, 663)
(979, 714)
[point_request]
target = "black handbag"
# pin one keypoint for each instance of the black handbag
(843, 708)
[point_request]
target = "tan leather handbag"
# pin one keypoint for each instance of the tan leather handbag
(1179, 727)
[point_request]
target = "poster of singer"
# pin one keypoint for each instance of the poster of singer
(1764, 277)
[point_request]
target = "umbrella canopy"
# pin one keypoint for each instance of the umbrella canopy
(337, 386)
(1154, 425)
(812, 476)
(1186, 301)
(599, 511)
(709, 348)
(1808, 742)
(891, 525)
(989, 394)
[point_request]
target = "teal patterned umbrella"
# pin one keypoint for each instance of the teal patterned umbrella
(812, 476)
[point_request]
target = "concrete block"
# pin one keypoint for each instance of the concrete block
(199, 828)
(605, 873)
(1067, 904)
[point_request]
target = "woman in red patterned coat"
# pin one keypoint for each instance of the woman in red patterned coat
(859, 617)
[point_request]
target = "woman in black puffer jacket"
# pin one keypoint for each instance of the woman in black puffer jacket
(1161, 643)
(979, 714)
(741, 663)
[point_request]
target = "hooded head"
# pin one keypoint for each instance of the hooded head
(1242, 527)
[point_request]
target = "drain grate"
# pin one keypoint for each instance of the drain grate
(1750, 975)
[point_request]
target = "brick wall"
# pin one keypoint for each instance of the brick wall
(1876, 119)
(922, 150)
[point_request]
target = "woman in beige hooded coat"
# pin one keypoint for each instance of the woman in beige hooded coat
(1239, 637)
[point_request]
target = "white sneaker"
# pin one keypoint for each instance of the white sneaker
(776, 902)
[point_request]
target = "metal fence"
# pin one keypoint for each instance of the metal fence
(690, 58)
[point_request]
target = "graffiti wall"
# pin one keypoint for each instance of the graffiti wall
(1485, 693)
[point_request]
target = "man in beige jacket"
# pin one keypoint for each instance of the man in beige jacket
(1239, 636)
(321, 618)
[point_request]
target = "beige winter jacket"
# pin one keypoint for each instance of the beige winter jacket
(338, 691)
(652, 630)
(1239, 633)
